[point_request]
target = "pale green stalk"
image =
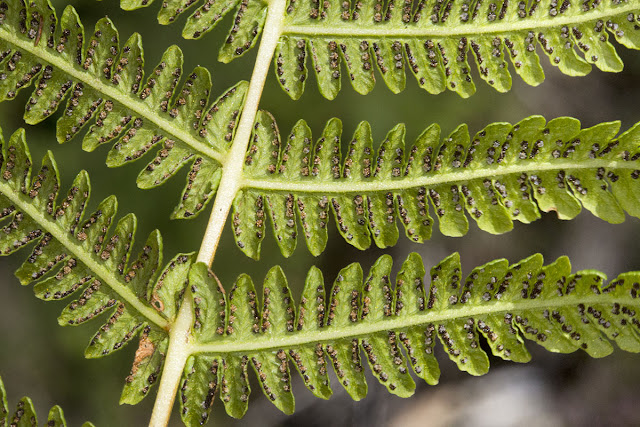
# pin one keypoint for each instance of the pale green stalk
(179, 347)
(362, 329)
(450, 177)
(232, 172)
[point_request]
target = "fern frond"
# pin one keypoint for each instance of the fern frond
(432, 38)
(435, 38)
(25, 414)
(504, 173)
(106, 82)
(74, 253)
(369, 318)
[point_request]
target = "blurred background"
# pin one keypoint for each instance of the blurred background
(40, 359)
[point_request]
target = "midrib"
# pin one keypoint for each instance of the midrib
(362, 329)
(360, 29)
(138, 108)
(374, 185)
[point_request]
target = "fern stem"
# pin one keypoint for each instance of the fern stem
(362, 329)
(179, 339)
(232, 173)
(180, 348)
(461, 175)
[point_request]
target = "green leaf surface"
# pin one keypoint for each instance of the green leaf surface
(503, 173)
(75, 253)
(437, 42)
(395, 325)
(105, 87)
(203, 19)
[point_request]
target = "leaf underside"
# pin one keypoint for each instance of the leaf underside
(247, 26)
(503, 173)
(106, 86)
(25, 414)
(434, 39)
(437, 39)
(393, 329)
(205, 15)
(74, 253)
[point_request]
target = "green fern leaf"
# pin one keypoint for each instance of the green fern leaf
(434, 40)
(244, 34)
(502, 174)
(368, 320)
(25, 414)
(106, 83)
(73, 253)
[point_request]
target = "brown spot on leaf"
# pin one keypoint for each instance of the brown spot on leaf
(146, 348)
